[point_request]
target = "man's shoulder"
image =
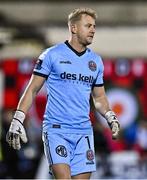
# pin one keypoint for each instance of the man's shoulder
(56, 47)
(94, 54)
(52, 50)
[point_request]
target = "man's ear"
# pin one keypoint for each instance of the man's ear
(73, 28)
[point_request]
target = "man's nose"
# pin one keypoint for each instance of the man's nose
(93, 29)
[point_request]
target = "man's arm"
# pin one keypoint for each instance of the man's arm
(35, 84)
(102, 106)
(16, 131)
(100, 100)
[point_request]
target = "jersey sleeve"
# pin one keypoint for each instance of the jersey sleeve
(99, 80)
(43, 64)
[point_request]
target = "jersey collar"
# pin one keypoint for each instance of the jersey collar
(76, 52)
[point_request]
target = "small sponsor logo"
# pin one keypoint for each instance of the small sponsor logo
(19, 130)
(92, 65)
(65, 62)
(61, 151)
(90, 162)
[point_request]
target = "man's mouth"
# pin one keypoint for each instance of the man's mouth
(90, 36)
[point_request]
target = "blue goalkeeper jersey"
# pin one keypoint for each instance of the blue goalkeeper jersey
(70, 77)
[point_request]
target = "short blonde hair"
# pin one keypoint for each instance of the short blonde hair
(76, 14)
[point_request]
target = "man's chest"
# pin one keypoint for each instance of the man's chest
(75, 69)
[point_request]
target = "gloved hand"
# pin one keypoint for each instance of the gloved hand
(113, 123)
(16, 131)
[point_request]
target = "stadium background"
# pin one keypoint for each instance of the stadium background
(26, 28)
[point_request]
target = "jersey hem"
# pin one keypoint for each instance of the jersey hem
(69, 130)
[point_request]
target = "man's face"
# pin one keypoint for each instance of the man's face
(85, 30)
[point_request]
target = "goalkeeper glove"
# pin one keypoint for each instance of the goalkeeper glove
(113, 123)
(16, 131)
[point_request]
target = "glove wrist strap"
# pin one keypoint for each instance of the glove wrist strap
(20, 116)
(110, 116)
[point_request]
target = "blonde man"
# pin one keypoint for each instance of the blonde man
(71, 72)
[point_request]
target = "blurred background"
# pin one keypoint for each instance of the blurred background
(26, 28)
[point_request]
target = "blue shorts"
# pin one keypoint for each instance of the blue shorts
(76, 150)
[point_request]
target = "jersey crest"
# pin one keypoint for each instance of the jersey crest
(92, 66)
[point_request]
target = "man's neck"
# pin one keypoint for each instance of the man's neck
(76, 45)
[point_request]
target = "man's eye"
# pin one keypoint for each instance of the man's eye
(88, 25)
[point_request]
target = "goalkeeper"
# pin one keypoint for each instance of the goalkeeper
(71, 72)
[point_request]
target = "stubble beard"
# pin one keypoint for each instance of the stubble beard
(85, 41)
